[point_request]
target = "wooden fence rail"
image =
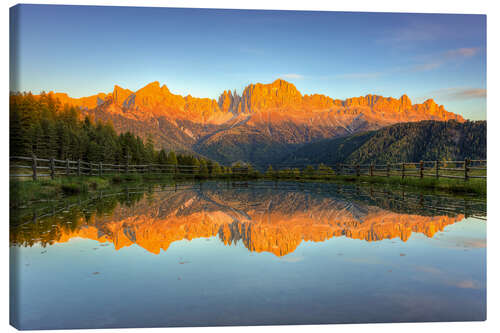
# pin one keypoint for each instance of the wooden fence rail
(52, 168)
(465, 169)
(41, 167)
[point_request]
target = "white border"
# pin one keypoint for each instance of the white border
(421, 6)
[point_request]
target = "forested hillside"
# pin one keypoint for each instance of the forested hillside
(40, 125)
(411, 142)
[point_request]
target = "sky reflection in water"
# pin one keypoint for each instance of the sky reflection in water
(245, 256)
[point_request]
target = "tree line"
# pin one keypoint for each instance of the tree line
(403, 142)
(42, 126)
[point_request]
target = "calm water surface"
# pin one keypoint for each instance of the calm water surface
(248, 254)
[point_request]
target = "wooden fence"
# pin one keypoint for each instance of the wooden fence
(446, 169)
(40, 167)
(35, 168)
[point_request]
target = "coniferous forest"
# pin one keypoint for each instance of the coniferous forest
(41, 126)
(403, 142)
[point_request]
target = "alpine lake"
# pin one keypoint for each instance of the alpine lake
(248, 253)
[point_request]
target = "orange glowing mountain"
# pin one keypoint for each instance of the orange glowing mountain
(266, 121)
(279, 100)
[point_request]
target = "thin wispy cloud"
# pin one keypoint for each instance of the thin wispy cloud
(293, 259)
(438, 275)
(464, 52)
(467, 284)
(417, 31)
(292, 76)
(459, 93)
(409, 34)
(456, 56)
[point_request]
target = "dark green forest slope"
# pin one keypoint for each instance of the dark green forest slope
(410, 142)
(42, 126)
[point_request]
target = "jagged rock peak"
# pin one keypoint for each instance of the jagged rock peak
(229, 101)
(120, 95)
(276, 95)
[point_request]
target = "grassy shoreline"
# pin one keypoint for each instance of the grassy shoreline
(457, 186)
(25, 191)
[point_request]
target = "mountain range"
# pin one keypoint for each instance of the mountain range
(263, 125)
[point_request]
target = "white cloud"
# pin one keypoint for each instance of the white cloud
(426, 66)
(292, 259)
(455, 55)
(292, 76)
(464, 52)
(459, 93)
(414, 32)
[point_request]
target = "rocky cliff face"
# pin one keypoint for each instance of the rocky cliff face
(282, 97)
(230, 102)
(254, 127)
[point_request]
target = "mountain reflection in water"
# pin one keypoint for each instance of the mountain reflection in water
(263, 219)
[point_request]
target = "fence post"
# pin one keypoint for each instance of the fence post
(126, 165)
(466, 169)
(79, 167)
(90, 166)
(357, 170)
(371, 170)
(34, 167)
(388, 169)
(465, 209)
(402, 170)
(437, 169)
(52, 174)
(67, 167)
(100, 169)
(421, 169)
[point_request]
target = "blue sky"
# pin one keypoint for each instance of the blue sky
(83, 50)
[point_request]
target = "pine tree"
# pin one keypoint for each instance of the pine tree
(172, 158)
(216, 169)
(203, 168)
(162, 157)
(63, 140)
(172, 162)
(270, 171)
(150, 150)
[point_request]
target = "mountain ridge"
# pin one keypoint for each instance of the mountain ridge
(279, 95)
(260, 126)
